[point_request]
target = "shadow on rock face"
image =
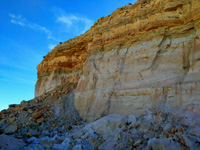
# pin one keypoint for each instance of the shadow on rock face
(64, 106)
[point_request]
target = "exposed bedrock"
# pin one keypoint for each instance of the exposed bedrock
(140, 56)
(130, 80)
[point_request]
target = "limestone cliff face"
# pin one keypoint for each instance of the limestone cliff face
(62, 65)
(139, 56)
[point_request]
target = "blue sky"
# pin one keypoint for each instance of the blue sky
(30, 29)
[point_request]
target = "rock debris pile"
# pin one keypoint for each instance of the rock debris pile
(36, 127)
(131, 82)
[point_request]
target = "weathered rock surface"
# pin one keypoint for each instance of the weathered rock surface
(10, 129)
(47, 115)
(11, 143)
(162, 144)
(140, 56)
(159, 65)
(107, 124)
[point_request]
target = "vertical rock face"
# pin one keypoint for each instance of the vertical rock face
(62, 65)
(140, 56)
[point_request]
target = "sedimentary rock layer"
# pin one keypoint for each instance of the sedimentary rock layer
(139, 56)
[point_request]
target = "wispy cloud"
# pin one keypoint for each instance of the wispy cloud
(51, 46)
(15, 80)
(4, 80)
(26, 81)
(63, 23)
(16, 77)
(19, 20)
(82, 24)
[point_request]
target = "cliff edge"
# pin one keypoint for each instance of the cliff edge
(140, 56)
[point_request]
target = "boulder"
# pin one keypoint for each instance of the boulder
(107, 124)
(37, 114)
(10, 129)
(11, 143)
(67, 143)
(33, 140)
(78, 147)
(162, 144)
(132, 119)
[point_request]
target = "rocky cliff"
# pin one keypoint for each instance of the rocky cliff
(140, 56)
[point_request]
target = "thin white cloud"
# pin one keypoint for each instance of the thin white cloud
(5, 80)
(26, 81)
(12, 16)
(10, 63)
(19, 20)
(66, 20)
(13, 80)
(51, 46)
(82, 24)
(15, 77)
